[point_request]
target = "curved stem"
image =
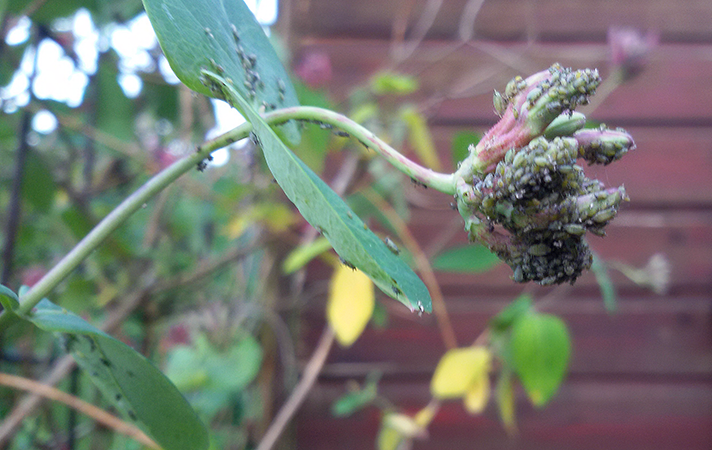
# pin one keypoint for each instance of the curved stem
(439, 181)
(77, 404)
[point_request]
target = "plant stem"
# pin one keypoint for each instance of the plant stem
(439, 181)
(77, 404)
(117, 217)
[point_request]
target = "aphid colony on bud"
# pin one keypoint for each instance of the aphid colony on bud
(523, 195)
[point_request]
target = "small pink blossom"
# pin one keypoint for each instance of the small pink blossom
(314, 69)
(630, 49)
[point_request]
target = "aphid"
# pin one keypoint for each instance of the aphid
(500, 104)
(604, 216)
(208, 32)
(539, 250)
(342, 133)
(396, 290)
(202, 165)
(132, 415)
(391, 245)
(234, 33)
(252, 58)
(347, 264)
(281, 87)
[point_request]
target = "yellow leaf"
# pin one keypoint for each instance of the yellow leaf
(389, 438)
(420, 138)
(457, 370)
(350, 305)
(478, 394)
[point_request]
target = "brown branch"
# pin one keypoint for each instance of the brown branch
(85, 408)
(309, 376)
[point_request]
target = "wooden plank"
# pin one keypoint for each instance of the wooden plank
(457, 84)
(663, 337)
(584, 415)
(510, 19)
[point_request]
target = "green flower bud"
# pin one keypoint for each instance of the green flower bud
(603, 146)
(565, 125)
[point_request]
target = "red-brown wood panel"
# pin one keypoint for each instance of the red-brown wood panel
(640, 379)
(584, 415)
(509, 19)
(673, 89)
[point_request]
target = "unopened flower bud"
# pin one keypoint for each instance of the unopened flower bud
(520, 190)
(603, 146)
(565, 125)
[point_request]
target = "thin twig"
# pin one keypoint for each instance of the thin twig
(427, 18)
(13, 216)
(447, 331)
(311, 372)
(73, 402)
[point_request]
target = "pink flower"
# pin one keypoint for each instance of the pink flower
(314, 69)
(630, 49)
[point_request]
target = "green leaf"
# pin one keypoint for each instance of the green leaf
(114, 113)
(8, 299)
(505, 318)
(356, 400)
(393, 83)
(38, 186)
(466, 259)
(300, 256)
(540, 350)
(328, 213)
(420, 138)
(608, 290)
(223, 35)
(460, 146)
(127, 379)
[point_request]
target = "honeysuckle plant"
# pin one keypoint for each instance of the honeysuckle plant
(519, 191)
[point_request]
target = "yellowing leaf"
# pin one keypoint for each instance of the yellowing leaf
(478, 394)
(505, 401)
(404, 425)
(420, 138)
(350, 305)
(276, 216)
(237, 226)
(423, 417)
(300, 256)
(457, 370)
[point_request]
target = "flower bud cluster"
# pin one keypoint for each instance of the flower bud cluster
(534, 205)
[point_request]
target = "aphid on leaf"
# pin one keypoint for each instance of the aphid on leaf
(391, 245)
(347, 264)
